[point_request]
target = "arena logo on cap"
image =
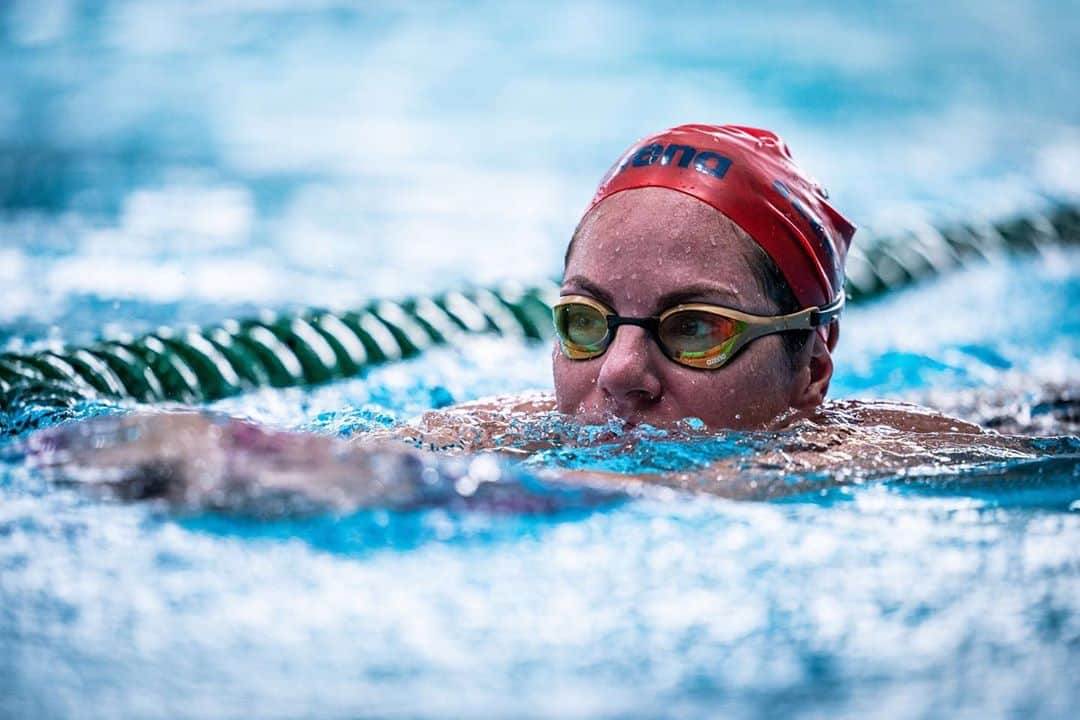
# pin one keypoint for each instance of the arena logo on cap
(706, 162)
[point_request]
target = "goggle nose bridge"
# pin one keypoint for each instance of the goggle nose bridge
(650, 324)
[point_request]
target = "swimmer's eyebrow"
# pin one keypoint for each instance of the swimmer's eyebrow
(700, 292)
(590, 287)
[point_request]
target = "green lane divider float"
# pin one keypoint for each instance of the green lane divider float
(193, 365)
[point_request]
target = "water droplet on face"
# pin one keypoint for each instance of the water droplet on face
(712, 242)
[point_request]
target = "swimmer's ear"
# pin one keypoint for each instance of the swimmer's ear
(813, 374)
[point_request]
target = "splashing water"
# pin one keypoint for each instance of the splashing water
(159, 170)
(898, 594)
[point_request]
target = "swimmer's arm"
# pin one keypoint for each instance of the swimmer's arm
(200, 461)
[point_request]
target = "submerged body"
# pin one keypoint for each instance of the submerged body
(202, 461)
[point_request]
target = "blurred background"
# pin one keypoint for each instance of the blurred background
(167, 161)
(174, 161)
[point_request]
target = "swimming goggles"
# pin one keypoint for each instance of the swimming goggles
(697, 335)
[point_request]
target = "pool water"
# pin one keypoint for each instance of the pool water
(165, 162)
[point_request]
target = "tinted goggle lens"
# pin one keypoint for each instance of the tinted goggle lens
(698, 338)
(582, 328)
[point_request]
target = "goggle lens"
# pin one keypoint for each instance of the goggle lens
(582, 328)
(695, 338)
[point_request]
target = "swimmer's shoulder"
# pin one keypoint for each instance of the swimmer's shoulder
(896, 415)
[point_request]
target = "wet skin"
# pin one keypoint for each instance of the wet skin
(643, 251)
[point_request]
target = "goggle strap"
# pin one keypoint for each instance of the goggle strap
(825, 315)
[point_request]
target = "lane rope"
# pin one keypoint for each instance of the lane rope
(315, 346)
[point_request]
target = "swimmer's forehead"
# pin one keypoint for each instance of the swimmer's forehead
(661, 213)
(653, 225)
(662, 248)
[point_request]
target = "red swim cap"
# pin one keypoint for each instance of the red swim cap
(749, 176)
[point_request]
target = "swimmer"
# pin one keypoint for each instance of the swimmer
(704, 281)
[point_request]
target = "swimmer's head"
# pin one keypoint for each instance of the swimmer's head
(715, 215)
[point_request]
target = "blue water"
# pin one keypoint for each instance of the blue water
(169, 162)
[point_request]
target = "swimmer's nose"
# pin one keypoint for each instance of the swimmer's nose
(628, 374)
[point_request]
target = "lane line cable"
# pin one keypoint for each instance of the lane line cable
(315, 346)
